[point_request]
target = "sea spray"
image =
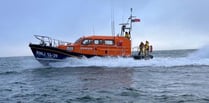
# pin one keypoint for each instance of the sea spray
(200, 53)
(198, 57)
(130, 62)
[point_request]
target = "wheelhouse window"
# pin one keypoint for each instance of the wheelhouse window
(87, 42)
(109, 42)
(98, 42)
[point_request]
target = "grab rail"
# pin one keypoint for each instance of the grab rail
(48, 41)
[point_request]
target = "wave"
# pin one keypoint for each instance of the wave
(130, 62)
(202, 53)
(199, 57)
(8, 72)
(30, 63)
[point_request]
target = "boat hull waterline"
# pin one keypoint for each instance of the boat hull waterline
(47, 54)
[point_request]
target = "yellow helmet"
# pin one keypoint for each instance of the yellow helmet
(147, 41)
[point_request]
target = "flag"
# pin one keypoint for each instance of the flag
(135, 20)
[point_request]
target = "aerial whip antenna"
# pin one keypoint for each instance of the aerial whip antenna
(112, 20)
(131, 16)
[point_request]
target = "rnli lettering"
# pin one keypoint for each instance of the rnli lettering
(48, 55)
(39, 53)
(86, 48)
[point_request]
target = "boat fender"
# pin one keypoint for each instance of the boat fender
(150, 48)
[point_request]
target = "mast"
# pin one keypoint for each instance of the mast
(131, 20)
(113, 24)
(127, 27)
(112, 20)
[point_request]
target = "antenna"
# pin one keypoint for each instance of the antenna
(113, 25)
(131, 19)
(112, 20)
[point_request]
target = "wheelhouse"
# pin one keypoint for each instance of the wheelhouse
(101, 46)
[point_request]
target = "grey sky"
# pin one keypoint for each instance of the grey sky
(167, 24)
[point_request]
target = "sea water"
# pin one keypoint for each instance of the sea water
(175, 76)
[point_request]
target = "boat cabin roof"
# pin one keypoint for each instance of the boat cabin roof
(100, 37)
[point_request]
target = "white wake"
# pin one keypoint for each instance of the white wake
(130, 62)
(197, 58)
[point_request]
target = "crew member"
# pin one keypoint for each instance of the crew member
(127, 35)
(146, 48)
(141, 49)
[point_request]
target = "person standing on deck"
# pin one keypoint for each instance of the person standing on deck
(141, 49)
(146, 48)
(127, 35)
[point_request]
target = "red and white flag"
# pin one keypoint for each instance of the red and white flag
(135, 20)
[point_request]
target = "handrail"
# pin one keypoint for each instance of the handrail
(136, 47)
(48, 41)
(135, 50)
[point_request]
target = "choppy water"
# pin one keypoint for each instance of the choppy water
(171, 77)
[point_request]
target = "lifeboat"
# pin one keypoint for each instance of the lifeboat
(52, 50)
(88, 46)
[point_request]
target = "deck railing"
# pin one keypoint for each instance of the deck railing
(48, 41)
